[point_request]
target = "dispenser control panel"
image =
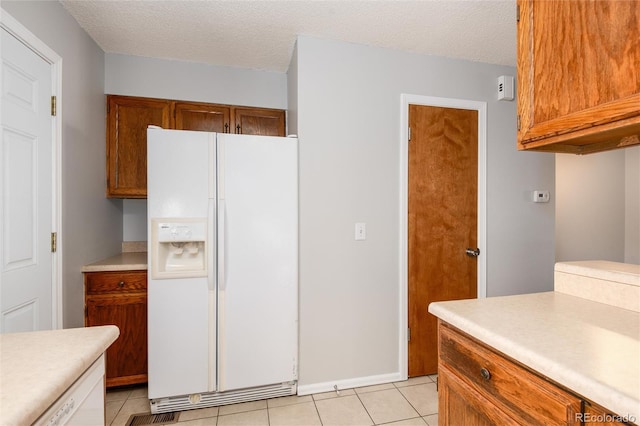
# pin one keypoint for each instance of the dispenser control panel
(171, 231)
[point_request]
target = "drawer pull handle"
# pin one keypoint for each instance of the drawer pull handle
(121, 284)
(486, 374)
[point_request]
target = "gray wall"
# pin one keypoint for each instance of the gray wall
(161, 78)
(632, 206)
(91, 224)
(597, 214)
(347, 104)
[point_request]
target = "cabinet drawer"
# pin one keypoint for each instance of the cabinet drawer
(116, 282)
(518, 392)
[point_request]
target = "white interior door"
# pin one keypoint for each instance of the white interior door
(26, 158)
(257, 260)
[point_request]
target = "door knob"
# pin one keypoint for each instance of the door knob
(473, 253)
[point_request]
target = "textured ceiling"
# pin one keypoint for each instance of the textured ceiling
(261, 34)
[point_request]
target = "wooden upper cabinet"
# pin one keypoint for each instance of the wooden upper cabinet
(204, 117)
(578, 75)
(127, 121)
(128, 118)
(259, 121)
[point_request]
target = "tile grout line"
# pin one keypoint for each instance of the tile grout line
(409, 402)
(365, 407)
(317, 411)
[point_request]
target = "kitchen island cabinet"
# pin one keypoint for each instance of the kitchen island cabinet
(41, 372)
(550, 358)
(485, 387)
(578, 79)
(120, 298)
(128, 118)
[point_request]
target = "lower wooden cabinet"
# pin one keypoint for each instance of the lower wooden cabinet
(479, 386)
(120, 298)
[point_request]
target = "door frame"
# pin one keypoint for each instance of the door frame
(20, 32)
(481, 107)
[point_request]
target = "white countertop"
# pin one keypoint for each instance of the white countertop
(588, 347)
(36, 368)
(131, 261)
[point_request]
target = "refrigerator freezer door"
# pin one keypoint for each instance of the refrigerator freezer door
(179, 317)
(258, 273)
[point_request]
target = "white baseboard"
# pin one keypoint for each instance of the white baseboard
(307, 389)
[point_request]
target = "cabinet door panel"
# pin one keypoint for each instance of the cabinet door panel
(578, 85)
(259, 121)
(128, 119)
(459, 404)
(127, 356)
(203, 117)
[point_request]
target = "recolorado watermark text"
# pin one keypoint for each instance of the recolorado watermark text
(604, 418)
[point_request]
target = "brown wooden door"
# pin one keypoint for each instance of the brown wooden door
(259, 121)
(127, 122)
(204, 117)
(442, 206)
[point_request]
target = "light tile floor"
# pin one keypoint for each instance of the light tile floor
(410, 402)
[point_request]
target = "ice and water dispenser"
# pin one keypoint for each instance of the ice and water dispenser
(179, 248)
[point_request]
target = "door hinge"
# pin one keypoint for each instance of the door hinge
(54, 242)
(518, 13)
(409, 133)
(408, 334)
(518, 122)
(53, 106)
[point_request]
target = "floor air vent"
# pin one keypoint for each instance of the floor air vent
(152, 419)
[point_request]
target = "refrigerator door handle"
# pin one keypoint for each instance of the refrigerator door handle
(221, 245)
(220, 166)
(211, 246)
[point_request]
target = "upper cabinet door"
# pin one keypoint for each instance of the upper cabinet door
(127, 121)
(259, 121)
(578, 75)
(203, 117)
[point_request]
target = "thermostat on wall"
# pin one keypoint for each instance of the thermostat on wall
(506, 88)
(540, 196)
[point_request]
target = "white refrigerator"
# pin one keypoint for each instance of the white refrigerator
(223, 268)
